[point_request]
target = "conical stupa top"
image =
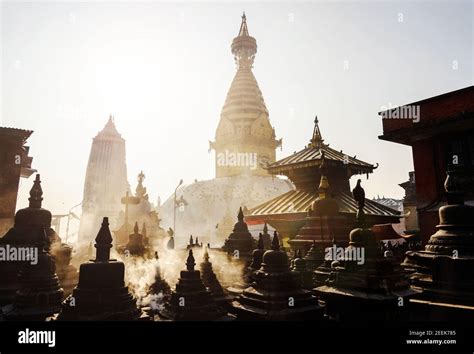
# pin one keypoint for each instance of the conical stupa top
(36, 193)
(265, 229)
(103, 242)
(240, 216)
(206, 255)
(190, 262)
(144, 230)
(135, 228)
(275, 242)
(243, 26)
(260, 245)
(316, 139)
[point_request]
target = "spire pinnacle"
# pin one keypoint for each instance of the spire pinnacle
(206, 255)
(243, 26)
(36, 193)
(244, 46)
(135, 228)
(240, 216)
(316, 139)
(275, 242)
(103, 242)
(260, 245)
(190, 262)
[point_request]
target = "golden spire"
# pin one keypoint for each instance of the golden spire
(316, 139)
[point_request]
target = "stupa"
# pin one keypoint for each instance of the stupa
(210, 280)
(245, 143)
(364, 285)
(240, 242)
(159, 285)
(302, 273)
(267, 240)
(193, 244)
(276, 294)
(443, 270)
(135, 245)
(23, 234)
(191, 301)
(257, 255)
(101, 294)
(39, 295)
(314, 257)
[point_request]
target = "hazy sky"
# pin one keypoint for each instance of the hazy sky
(163, 70)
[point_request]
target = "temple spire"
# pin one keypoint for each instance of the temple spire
(190, 262)
(316, 139)
(240, 216)
(36, 193)
(243, 26)
(275, 242)
(103, 242)
(244, 46)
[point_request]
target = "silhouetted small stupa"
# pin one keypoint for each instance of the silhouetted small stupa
(210, 280)
(101, 294)
(276, 294)
(39, 295)
(191, 301)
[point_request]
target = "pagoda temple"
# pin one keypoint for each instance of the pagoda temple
(106, 181)
(288, 212)
(276, 293)
(101, 294)
(443, 270)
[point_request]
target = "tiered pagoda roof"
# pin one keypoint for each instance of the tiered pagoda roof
(313, 154)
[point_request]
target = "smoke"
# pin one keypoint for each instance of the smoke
(140, 273)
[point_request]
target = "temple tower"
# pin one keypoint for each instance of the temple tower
(106, 181)
(245, 140)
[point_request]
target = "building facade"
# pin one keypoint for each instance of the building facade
(440, 131)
